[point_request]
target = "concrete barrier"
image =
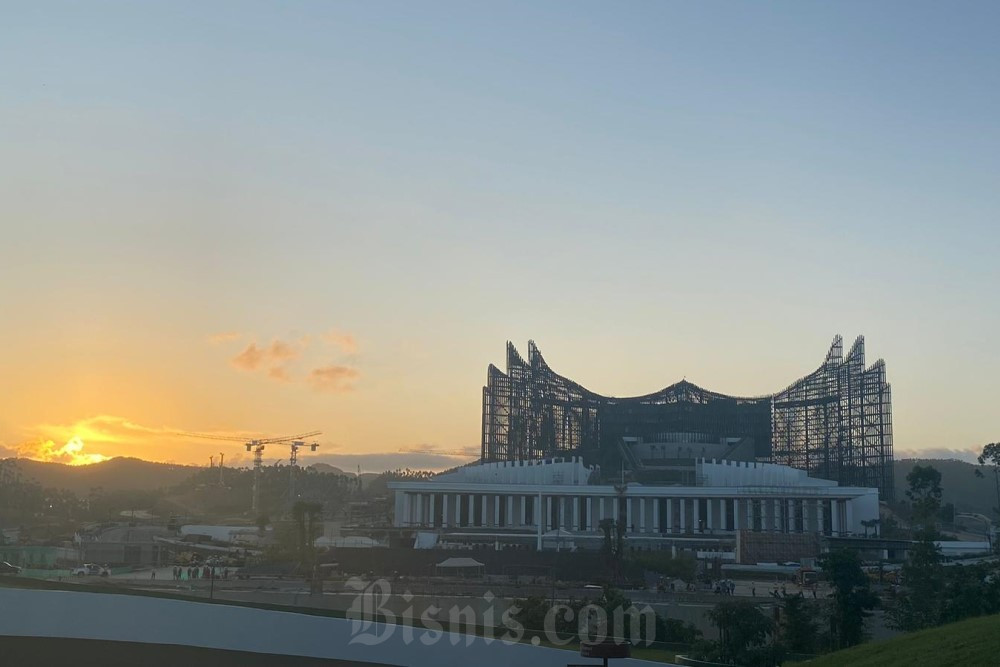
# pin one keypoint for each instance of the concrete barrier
(134, 618)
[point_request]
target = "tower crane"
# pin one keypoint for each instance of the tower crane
(256, 446)
(293, 464)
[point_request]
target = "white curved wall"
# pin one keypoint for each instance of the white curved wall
(34, 613)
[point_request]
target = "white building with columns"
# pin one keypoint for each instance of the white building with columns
(555, 502)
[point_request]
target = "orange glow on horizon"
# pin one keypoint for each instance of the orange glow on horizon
(70, 453)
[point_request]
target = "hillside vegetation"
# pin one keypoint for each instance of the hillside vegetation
(971, 642)
(117, 474)
(958, 482)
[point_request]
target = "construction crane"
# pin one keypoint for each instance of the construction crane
(293, 464)
(256, 446)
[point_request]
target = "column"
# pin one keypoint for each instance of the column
(736, 514)
(562, 513)
(697, 515)
(656, 515)
(484, 517)
(548, 512)
(524, 510)
(471, 514)
(820, 519)
(406, 509)
(432, 517)
(538, 522)
(849, 515)
(723, 523)
(765, 524)
(683, 502)
(576, 513)
(617, 505)
(628, 515)
(496, 511)
(708, 513)
(508, 520)
(591, 524)
(642, 515)
(790, 504)
(834, 517)
(670, 515)
(444, 510)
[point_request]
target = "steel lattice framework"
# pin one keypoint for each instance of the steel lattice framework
(835, 423)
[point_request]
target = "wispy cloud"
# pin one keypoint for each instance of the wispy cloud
(347, 343)
(382, 461)
(100, 437)
(279, 373)
(333, 379)
(424, 448)
(71, 452)
(224, 337)
(283, 361)
(274, 357)
(967, 455)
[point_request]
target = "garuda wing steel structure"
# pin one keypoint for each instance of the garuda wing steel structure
(835, 423)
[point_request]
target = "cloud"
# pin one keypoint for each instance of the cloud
(277, 361)
(967, 455)
(224, 337)
(333, 378)
(250, 359)
(347, 343)
(382, 461)
(70, 453)
(279, 373)
(275, 357)
(423, 448)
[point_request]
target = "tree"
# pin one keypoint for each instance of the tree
(971, 590)
(921, 600)
(990, 457)
(743, 632)
(613, 546)
(798, 627)
(852, 597)
(306, 517)
(924, 493)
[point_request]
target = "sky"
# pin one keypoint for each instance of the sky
(263, 218)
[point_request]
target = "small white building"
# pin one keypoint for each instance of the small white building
(507, 502)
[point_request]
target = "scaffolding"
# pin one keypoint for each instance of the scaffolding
(835, 423)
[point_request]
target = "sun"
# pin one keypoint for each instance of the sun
(70, 453)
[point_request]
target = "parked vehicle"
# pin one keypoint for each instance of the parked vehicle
(7, 568)
(92, 570)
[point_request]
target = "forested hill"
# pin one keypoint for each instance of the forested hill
(117, 474)
(958, 480)
(958, 483)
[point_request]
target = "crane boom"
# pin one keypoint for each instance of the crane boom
(237, 438)
(256, 445)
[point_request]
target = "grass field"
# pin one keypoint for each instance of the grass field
(972, 642)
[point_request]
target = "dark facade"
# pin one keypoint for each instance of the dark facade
(835, 423)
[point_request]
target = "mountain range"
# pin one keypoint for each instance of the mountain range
(960, 485)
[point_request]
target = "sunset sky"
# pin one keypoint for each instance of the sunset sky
(265, 218)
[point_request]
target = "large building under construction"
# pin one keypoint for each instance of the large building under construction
(835, 423)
